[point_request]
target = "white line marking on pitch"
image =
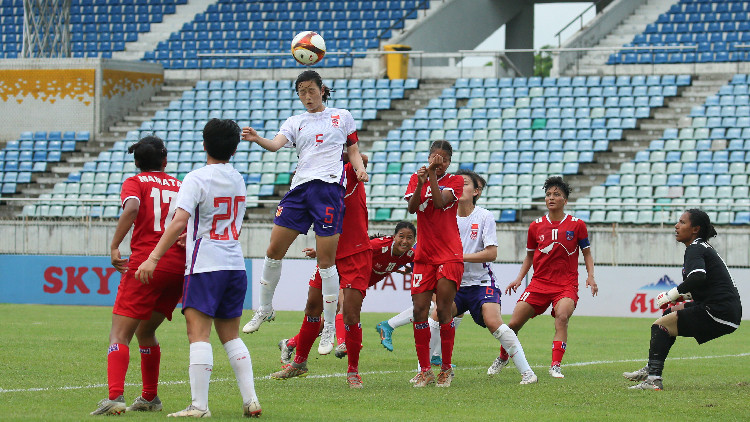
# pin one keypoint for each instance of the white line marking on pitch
(336, 375)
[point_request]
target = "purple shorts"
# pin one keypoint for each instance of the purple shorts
(315, 203)
(471, 298)
(218, 294)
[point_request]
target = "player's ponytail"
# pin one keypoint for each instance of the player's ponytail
(326, 93)
(149, 153)
(701, 219)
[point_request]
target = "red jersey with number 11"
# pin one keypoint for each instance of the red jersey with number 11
(155, 192)
(556, 245)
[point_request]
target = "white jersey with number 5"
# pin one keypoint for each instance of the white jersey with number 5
(477, 231)
(214, 196)
(320, 139)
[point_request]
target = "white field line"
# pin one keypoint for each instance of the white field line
(342, 374)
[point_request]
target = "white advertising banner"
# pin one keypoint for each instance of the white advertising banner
(623, 291)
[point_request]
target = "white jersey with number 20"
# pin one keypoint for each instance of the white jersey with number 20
(214, 196)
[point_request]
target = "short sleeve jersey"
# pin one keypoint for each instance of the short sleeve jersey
(214, 196)
(320, 139)
(155, 192)
(478, 231)
(719, 294)
(438, 240)
(556, 245)
(383, 260)
(354, 237)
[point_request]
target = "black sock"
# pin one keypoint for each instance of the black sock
(661, 342)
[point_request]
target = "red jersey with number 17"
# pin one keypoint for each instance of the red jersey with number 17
(438, 240)
(556, 245)
(155, 192)
(354, 237)
(384, 261)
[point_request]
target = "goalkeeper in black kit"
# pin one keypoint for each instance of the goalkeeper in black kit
(715, 310)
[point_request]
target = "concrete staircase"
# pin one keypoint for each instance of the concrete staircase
(591, 62)
(88, 151)
(160, 31)
(673, 114)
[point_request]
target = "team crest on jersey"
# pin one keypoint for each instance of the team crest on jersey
(474, 231)
(278, 211)
(385, 249)
(569, 234)
(410, 252)
(335, 120)
(540, 238)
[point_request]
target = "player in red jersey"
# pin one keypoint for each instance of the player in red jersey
(147, 202)
(552, 247)
(438, 264)
(353, 261)
(389, 253)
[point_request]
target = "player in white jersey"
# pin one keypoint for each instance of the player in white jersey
(478, 294)
(211, 202)
(316, 198)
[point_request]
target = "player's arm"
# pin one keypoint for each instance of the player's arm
(415, 197)
(127, 218)
(525, 267)
(146, 270)
(273, 145)
(488, 254)
(357, 162)
(588, 260)
(440, 199)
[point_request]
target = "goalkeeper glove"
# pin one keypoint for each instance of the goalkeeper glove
(666, 298)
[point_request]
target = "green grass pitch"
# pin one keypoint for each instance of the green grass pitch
(53, 367)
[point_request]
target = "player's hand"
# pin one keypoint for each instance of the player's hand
(182, 240)
(513, 286)
(422, 175)
(145, 271)
(362, 176)
(310, 252)
(591, 283)
(120, 264)
(249, 134)
(687, 296)
(435, 161)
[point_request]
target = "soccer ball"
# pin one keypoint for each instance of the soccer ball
(308, 48)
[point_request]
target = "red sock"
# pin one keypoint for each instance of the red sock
(558, 350)
(292, 342)
(504, 354)
(422, 344)
(340, 329)
(353, 346)
(150, 358)
(118, 358)
(447, 336)
(306, 337)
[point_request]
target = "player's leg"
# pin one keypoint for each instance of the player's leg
(642, 373)
(490, 314)
(562, 312)
(118, 358)
(307, 334)
(444, 303)
(201, 361)
(240, 361)
(326, 248)
(421, 303)
(663, 335)
(385, 328)
(340, 327)
(522, 313)
(353, 337)
(436, 352)
(150, 351)
(281, 238)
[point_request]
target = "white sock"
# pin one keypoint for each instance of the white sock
(269, 279)
(329, 278)
(201, 365)
(457, 320)
(509, 341)
(405, 317)
(435, 345)
(239, 359)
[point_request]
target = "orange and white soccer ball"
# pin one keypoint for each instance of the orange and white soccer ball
(308, 48)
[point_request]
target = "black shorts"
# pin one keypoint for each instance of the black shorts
(694, 321)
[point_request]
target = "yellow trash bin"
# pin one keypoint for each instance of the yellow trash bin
(396, 65)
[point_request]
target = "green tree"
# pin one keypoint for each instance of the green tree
(543, 62)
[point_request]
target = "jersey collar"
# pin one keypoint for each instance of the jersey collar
(563, 219)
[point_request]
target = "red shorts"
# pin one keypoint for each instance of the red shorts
(540, 296)
(354, 272)
(138, 300)
(425, 276)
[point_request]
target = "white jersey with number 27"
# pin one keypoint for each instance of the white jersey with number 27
(214, 196)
